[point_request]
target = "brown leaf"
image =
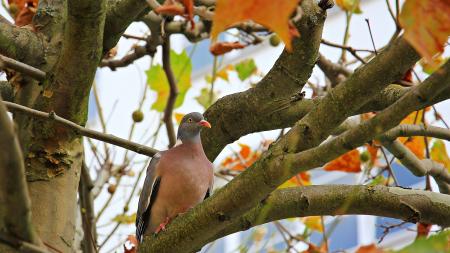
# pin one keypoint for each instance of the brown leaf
(423, 229)
(220, 48)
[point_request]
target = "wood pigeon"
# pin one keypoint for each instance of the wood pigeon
(177, 179)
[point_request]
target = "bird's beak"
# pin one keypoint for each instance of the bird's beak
(204, 123)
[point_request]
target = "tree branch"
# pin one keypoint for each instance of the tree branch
(408, 130)
(138, 52)
(87, 211)
(120, 14)
(21, 44)
(275, 166)
(408, 205)
(419, 167)
(172, 95)
(14, 199)
(6, 62)
(138, 148)
(249, 111)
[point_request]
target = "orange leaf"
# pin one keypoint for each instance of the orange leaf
(170, 9)
(245, 151)
(25, 11)
(416, 143)
(371, 248)
(189, 5)
(221, 48)
(312, 248)
(272, 14)
(373, 151)
(439, 153)
(130, 245)
(423, 229)
(348, 162)
(427, 25)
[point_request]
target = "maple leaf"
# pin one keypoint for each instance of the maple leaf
(130, 245)
(348, 162)
(439, 154)
(23, 11)
(157, 80)
(185, 9)
(423, 229)
(220, 48)
(371, 248)
(349, 5)
(272, 14)
(427, 25)
(416, 143)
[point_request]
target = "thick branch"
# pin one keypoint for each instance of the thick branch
(172, 95)
(238, 114)
(138, 148)
(21, 44)
(15, 211)
(119, 16)
(80, 55)
(409, 205)
(276, 166)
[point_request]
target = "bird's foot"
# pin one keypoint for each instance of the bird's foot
(162, 226)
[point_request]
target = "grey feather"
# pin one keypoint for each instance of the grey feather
(148, 195)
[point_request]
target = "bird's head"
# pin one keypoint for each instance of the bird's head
(190, 127)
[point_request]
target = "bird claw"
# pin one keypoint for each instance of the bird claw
(162, 226)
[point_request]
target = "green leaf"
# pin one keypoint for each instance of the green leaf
(157, 80)
(439, 243)
(204, 98)
(245, 69)
(125, 219)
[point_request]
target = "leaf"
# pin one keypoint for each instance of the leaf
(349, 5)
(439, 153)
(220, 48)
(157, 80)
(439, 243)
(245, 69)
(416, 143)
(371, 248)
(373, 152)
(427, 25)
(272, 14)
(423, 229)
(301, 179)
(179, 117)
(348, 162)
(242, 160)
(204, 98)
(130, 245)
(125, 219)
(313, 223)
(436, 63)
(173, 7)
(23, 11)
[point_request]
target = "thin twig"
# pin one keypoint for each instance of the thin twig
(6, 62)
(172, 94)
(348, 48)
(109, 138)
(371, 36)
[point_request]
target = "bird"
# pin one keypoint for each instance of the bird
(177, 179)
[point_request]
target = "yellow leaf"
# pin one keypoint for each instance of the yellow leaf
(416, 143)
(349, 5)
(427, 25)
(272, 14)
(179, 117)
(313, 222)
(125, 219)
(439, 153)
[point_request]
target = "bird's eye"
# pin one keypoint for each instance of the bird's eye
(189, 120)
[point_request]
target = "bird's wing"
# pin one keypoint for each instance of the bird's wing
(147, 197)
(210, 188)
